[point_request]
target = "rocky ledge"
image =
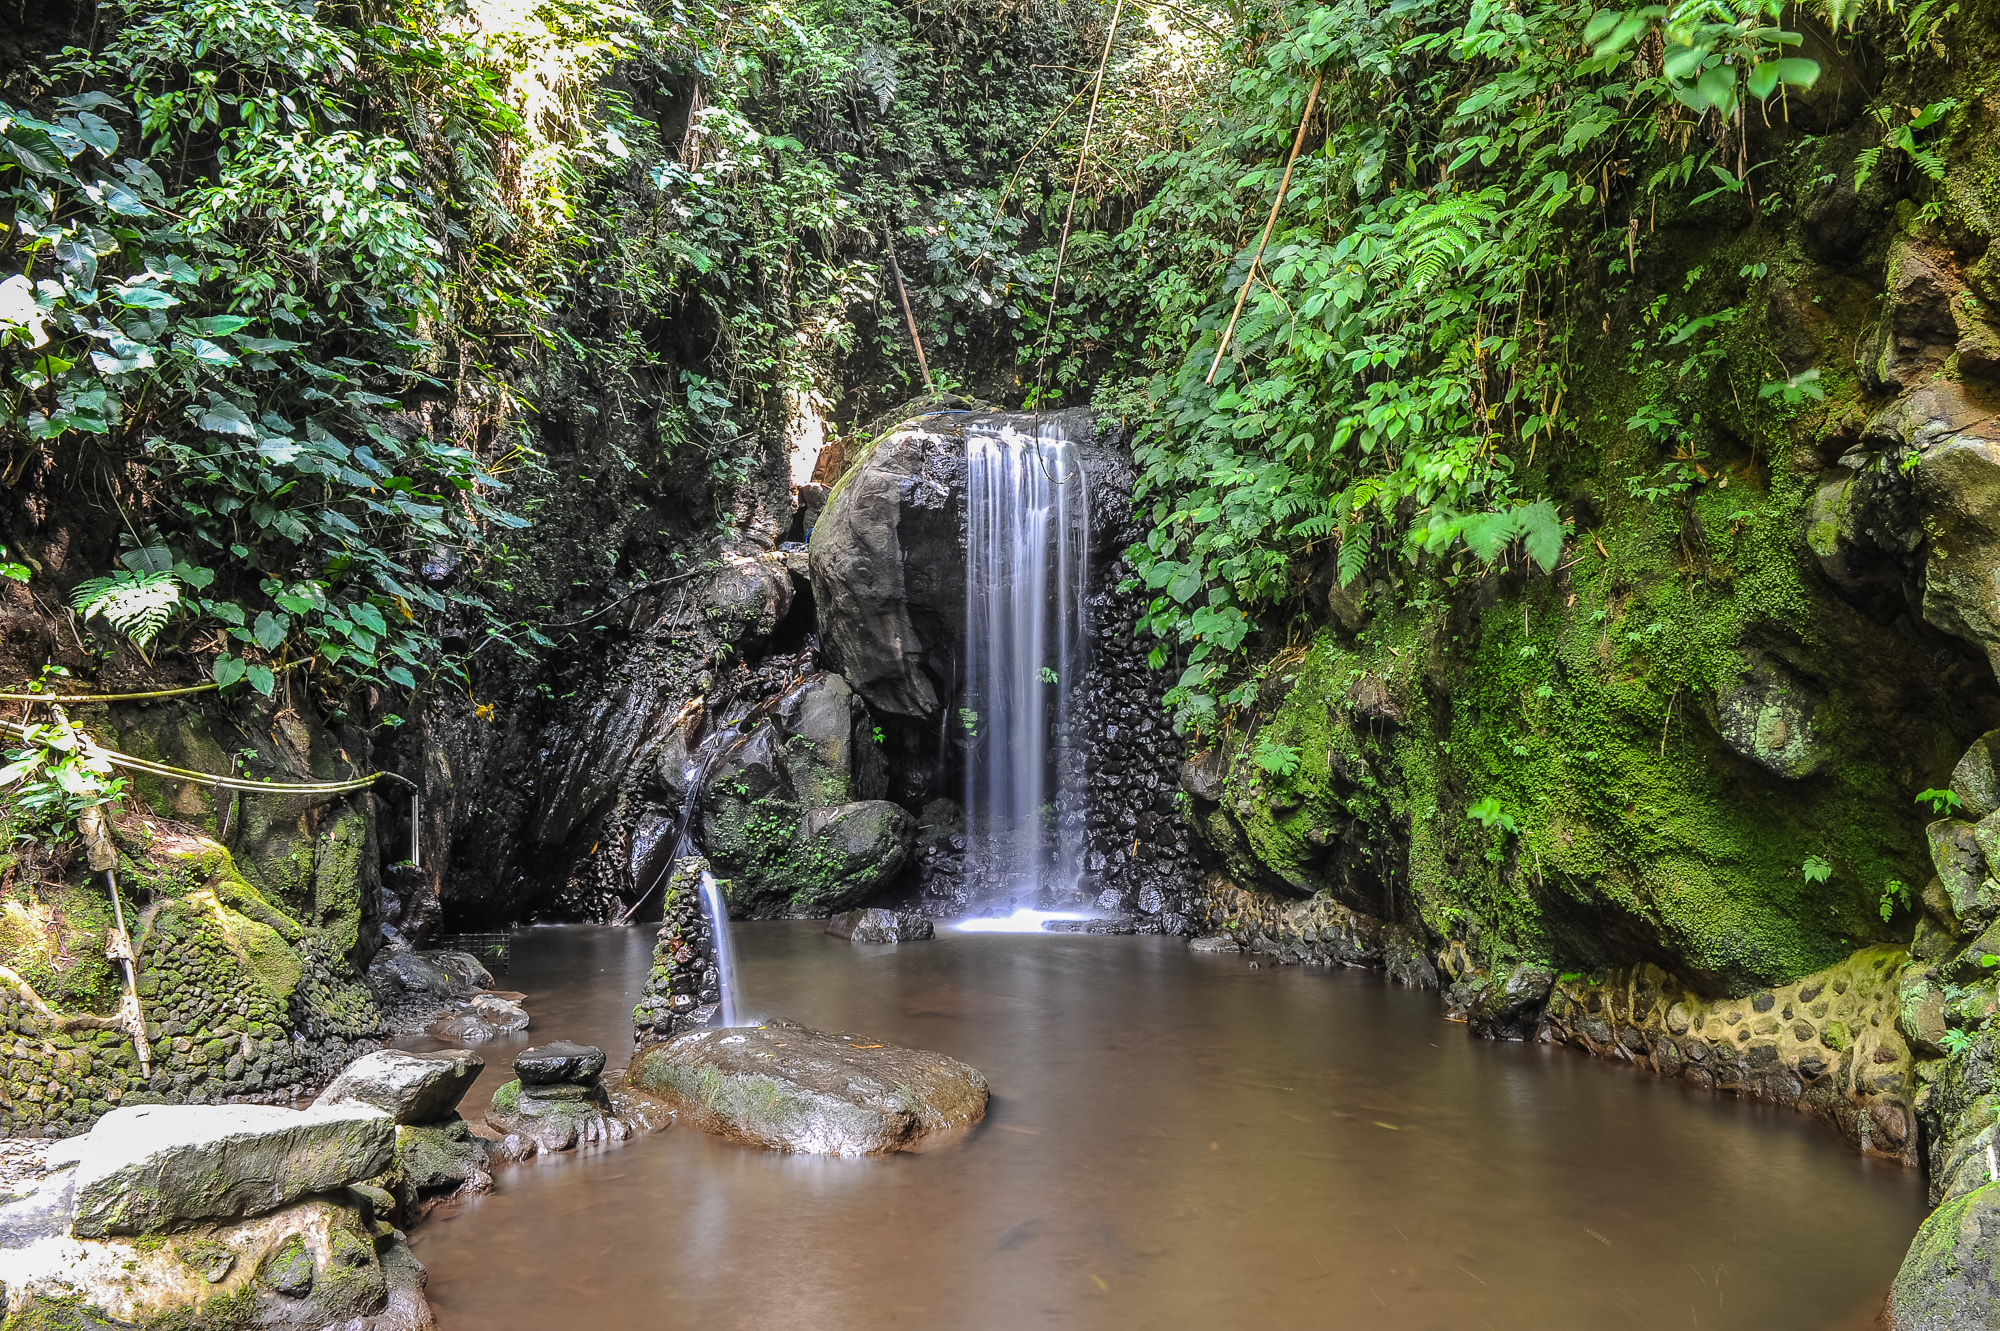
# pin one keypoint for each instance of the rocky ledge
(785, 1087)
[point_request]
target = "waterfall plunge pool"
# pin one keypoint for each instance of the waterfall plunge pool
(1175, 1140)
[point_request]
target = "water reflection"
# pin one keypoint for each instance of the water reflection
(1175, 1140)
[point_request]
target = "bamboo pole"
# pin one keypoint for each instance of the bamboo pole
(903, 297)
(1075, 185)
(1298, 141)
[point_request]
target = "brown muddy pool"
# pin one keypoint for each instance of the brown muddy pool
(1174, 1141)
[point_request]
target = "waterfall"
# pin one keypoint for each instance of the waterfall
(725, 951)
(1027, 558)
(713, 908)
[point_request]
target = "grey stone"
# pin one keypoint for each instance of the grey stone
(1958, 484)
(748, 595)
(827, 730)
(555, 1116)
(1204, 775)
(788, 1088)
(411, 1088)
(468, 970)
(559, 1061)
(1766, 715)
(881, 926)
(417, 974)
(1214, 943)
(151, 1168)
(1950, 1278)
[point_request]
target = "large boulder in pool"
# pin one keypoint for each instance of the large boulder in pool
(785, 1087)
(1950, 1279)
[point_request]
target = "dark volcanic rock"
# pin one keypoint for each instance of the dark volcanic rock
(787, 1088)
(559, 1061)
(881, 926)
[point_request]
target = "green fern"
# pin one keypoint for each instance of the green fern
(137, 605)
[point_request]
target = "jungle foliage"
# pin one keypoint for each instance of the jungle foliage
(280, 279)
(1478, 179)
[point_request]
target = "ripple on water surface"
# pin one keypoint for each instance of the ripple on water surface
(1174, 1141)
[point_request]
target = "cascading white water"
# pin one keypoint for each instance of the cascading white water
(725, 952)
(1026, 561)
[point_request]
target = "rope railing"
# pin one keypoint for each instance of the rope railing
(105, 697)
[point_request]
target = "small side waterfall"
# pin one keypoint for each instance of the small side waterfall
(1027, 561)
(725, 951)
(714, 909)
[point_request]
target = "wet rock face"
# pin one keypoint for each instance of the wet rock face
(785, 1087)
(1140, 857)
(1950, 1281)
(888, 570)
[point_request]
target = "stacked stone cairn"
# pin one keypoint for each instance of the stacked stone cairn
(556, 1102)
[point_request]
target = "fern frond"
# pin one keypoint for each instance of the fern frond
(137, 605)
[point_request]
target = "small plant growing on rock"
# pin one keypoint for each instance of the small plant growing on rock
(1488, 813)
(1280, 760)
(1815, 869)
(1956, 1042)
(1895, 896)
(1942, 802)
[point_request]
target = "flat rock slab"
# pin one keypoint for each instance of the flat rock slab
(787, 1088)
(150, 1168)
(411, 1088)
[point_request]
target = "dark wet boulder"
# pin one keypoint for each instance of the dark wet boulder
(410, 1088)
(1504, 1006)
(845, 853)
(559, 1061)
(829, 742)
(1205, 775)
(881, 926)
(888, 569)
(788, 1088)
(748, 595)
(1950, 1279)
